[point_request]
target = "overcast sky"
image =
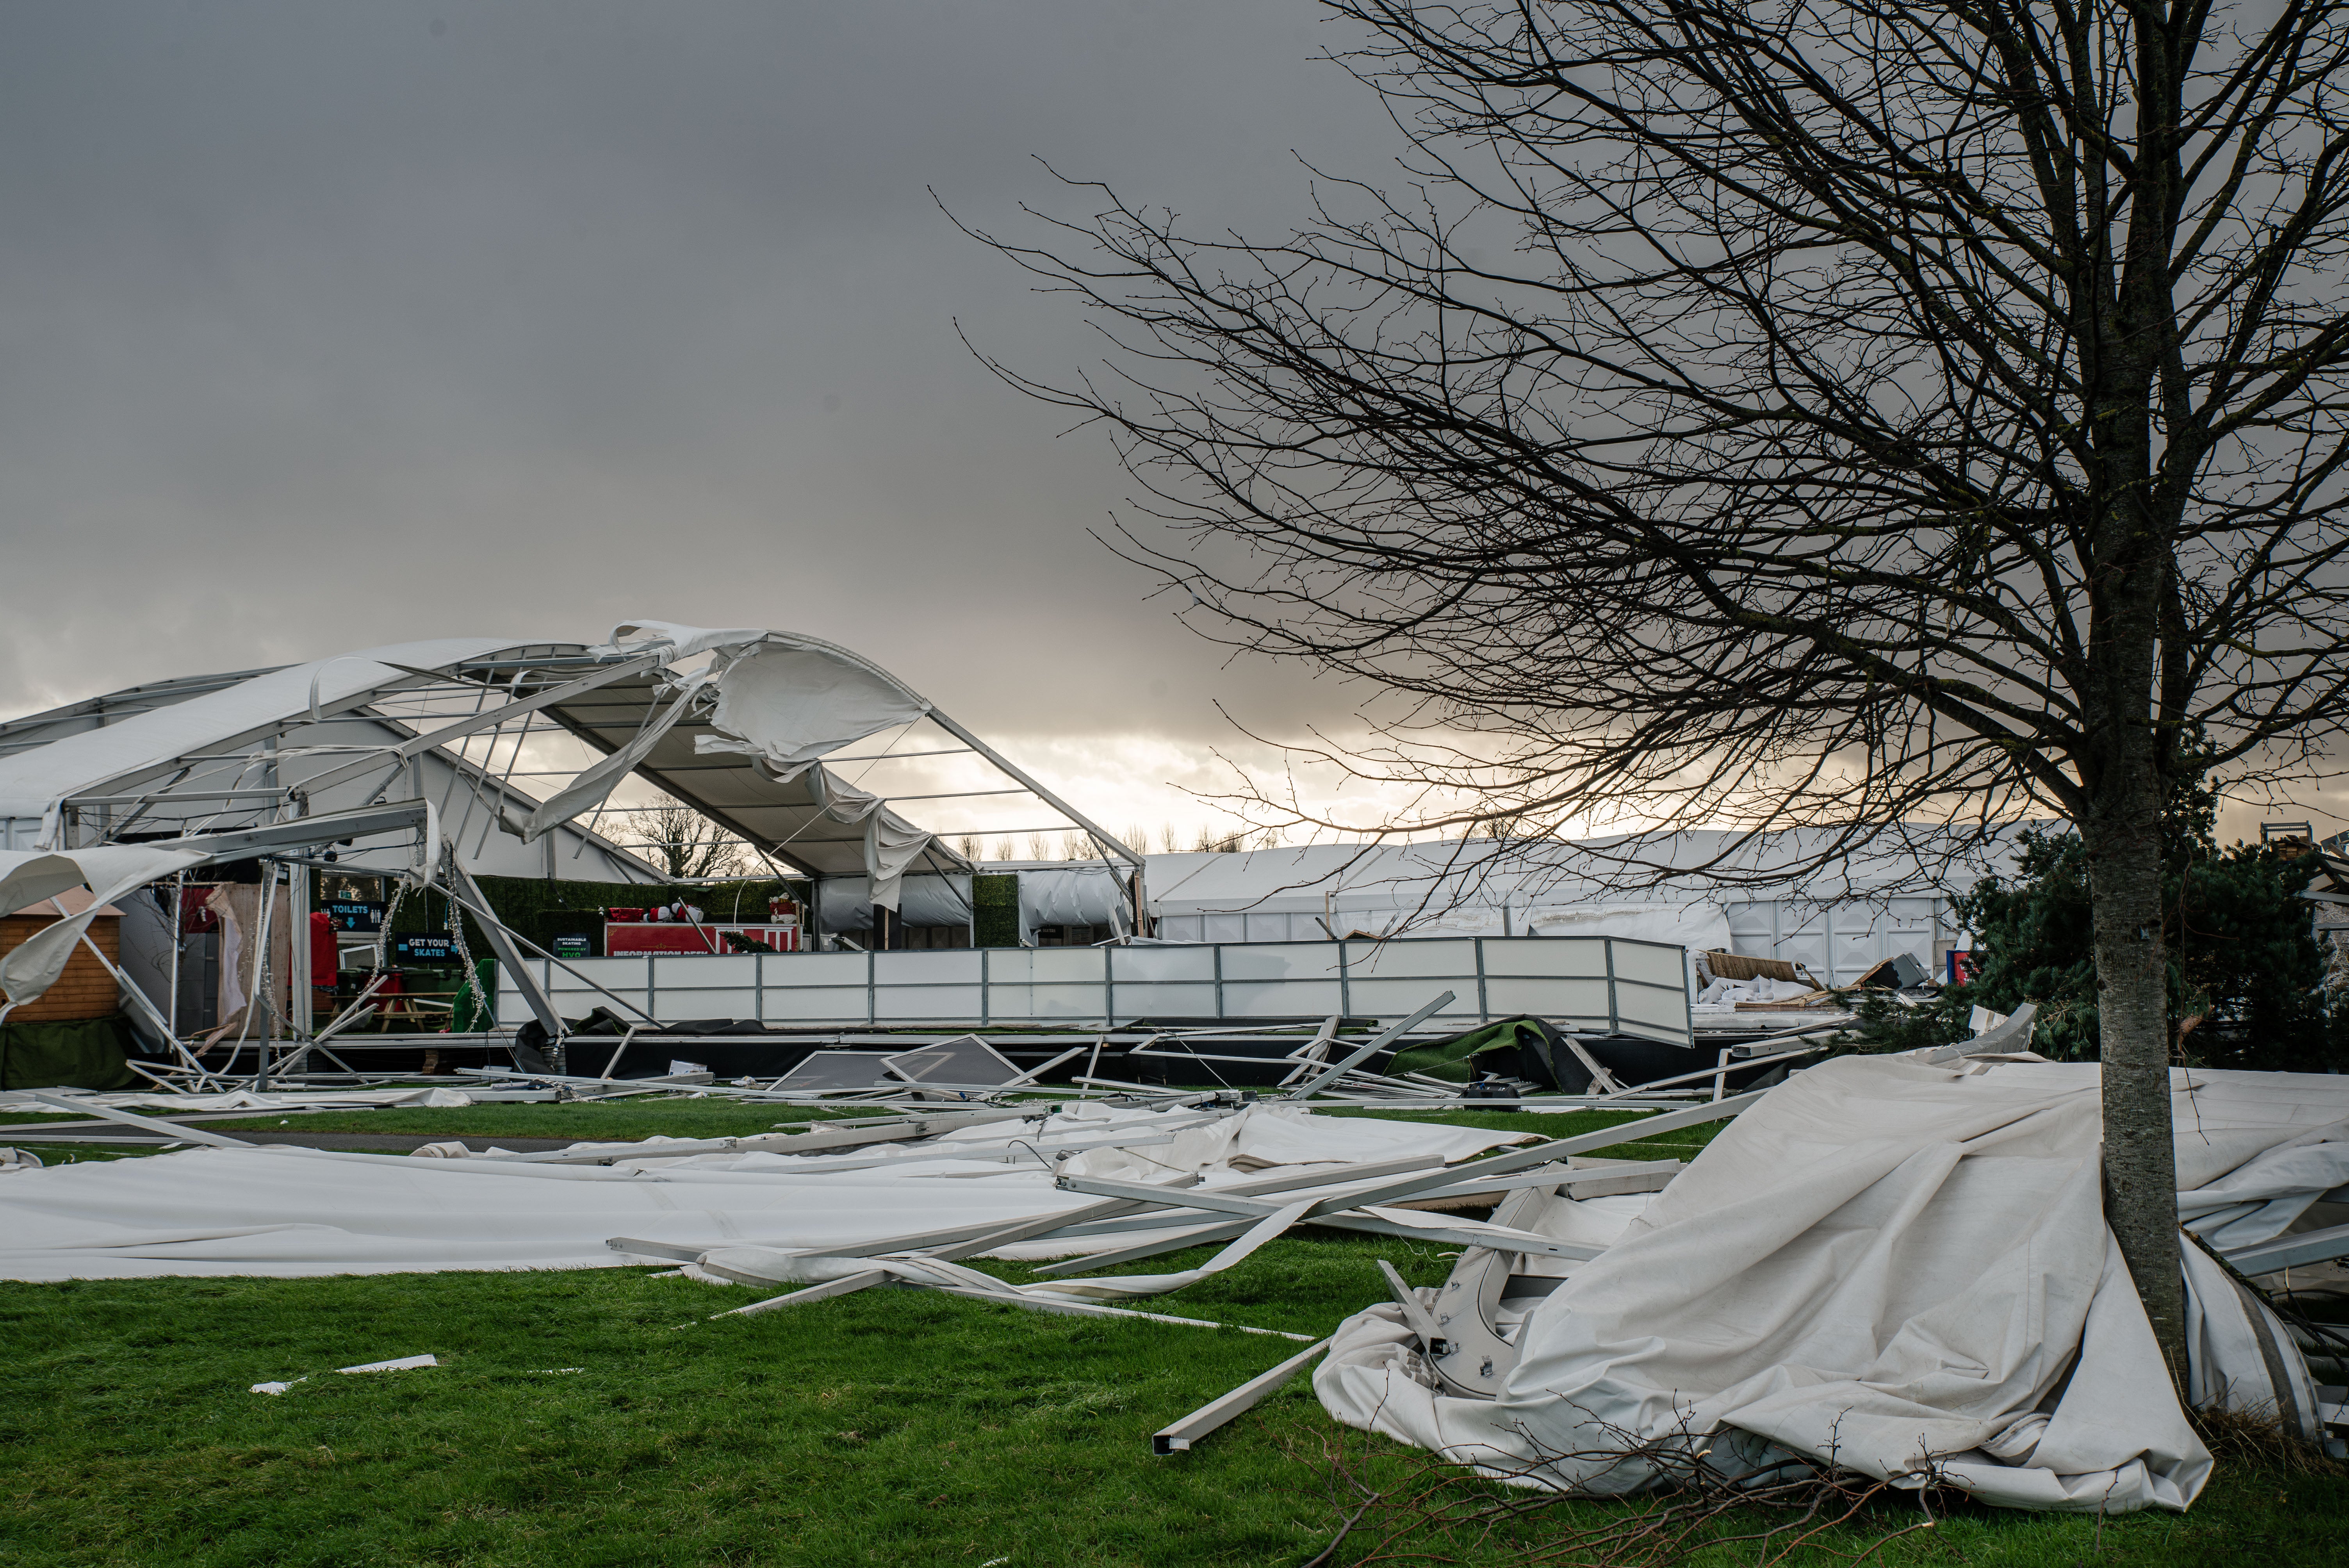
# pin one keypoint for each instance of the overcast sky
(334, 326)
(327, 326)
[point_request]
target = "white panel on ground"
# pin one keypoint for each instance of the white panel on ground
(837, 1069)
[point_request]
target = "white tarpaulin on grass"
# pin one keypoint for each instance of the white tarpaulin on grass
(1902, 1265)
(287, 1212)
(181, 1104)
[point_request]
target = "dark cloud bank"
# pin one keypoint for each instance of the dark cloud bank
(328, 325)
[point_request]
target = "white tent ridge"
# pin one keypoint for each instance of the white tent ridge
(732, 722)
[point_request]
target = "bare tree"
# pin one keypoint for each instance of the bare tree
(1759, 415)
(681, 840)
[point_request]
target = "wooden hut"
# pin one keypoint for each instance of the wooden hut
(85, 990)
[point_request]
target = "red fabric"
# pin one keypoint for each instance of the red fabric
(196, 916)
(323, 959)
(674, 937)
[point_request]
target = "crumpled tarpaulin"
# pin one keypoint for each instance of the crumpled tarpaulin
(1904, 1267)
(794, 699)
(287, 1212)
(240, 1100)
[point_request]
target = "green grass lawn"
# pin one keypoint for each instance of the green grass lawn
(894, 1427)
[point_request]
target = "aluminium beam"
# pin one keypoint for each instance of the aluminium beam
(490, 922)
(1041, 792)
(475, 723)
(502, 942)
(1543, 1153)
(331, 827)
(1340, 1211)
(1739, 1065)
(145, 1123)
(1045, 1224)
(2292, 1251)
(1372, 1047)
(151, 797)
(1177, 1436)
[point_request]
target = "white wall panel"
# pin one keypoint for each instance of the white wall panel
(1581, 1000)
(1561, 955)
(1277, 999)
(814, 1003)
(1442, 957)
(1561, 977)
(925, 1003)
(1290, 961)
(1162, 1001)
(1128, 965)
(696, 1002)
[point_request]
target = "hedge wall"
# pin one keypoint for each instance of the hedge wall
(995, 909)
(542, 911)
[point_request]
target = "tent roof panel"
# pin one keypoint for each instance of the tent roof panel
(32, 781)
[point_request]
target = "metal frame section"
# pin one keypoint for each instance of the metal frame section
(263, 745)
(453, 732)
(36, 729)
(2295, 1251)
(1594, 983)
(789, 821)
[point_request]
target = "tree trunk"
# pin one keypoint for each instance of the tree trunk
(2140, 1157)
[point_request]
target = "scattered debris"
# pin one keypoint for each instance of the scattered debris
(404, 1364)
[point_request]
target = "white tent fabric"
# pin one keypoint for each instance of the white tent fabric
(792, 700)
(1091, 894)
(2238, 1356)
(892, 846)
(229, 1100)
(923, 900)
(684, 641)
(32, 781)
(286, 1212)
(593, 783)
(1368, 879)
(1903, 1264)
(1696, 925)
(30, 876)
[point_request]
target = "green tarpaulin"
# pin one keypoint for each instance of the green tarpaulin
(1530, 1043)
(85, 1053)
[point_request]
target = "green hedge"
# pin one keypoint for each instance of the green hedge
(995, 909)
(77, 1053)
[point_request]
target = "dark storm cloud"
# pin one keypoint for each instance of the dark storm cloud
(330, 325)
